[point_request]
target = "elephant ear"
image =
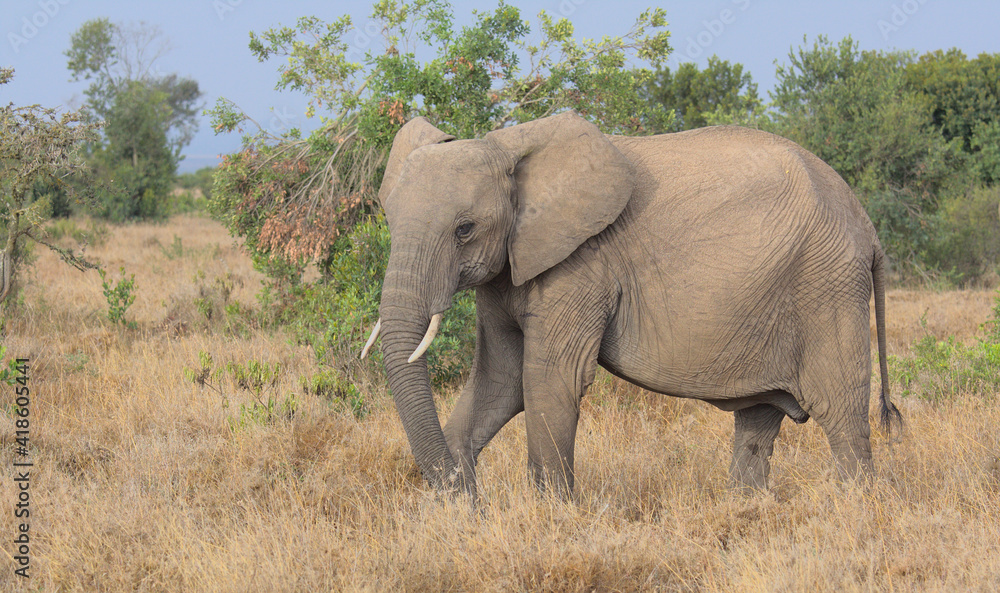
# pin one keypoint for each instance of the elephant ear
(415, 133)
(571, 183)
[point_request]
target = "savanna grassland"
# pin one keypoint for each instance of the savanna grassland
(144, 480)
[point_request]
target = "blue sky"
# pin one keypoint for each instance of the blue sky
(208, 40)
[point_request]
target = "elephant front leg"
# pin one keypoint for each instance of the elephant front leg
(753, 443)
(552, 411)
(493, 395)
(490, 399)
(552, 394)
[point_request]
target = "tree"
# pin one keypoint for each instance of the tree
(985, 144)
(37, 147)
(135, 154)
(962, 93)
(292, 197)
(721, 93)
(296, 200)
(151, 116)
(964, 97)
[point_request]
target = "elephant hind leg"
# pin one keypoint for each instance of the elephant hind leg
(835, 390)
(753, 443)
(845, 422)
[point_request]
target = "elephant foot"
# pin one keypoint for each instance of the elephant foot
(554, 482)
(749, 477)
(853, 458)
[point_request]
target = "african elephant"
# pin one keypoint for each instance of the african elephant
(723, 264)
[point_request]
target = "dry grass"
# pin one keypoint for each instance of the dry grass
(140, 485)
(958, 313)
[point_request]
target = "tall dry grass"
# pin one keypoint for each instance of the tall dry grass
(140, 484)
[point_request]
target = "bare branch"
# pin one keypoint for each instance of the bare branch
(77, 261)
(140, 45)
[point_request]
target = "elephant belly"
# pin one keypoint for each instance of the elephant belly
(689, 349)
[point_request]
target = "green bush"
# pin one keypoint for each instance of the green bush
(95, 234)
(126, 192)
(214, 304)
(938, 369)
(185, 202)
(54, 196)
(968, 238)
(336, 389)
(904, 230)
(255, 378)
(200, 180)
(336, 314)
(8, 369)
(120, 297)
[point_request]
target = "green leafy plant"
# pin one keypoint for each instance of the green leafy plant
(722, 93)
(9, 372)
(214, 303)
(336, 389)
(175, 250)
(938, 369)
(77, 361)
(261, 413)
(120, 297)
(335, 315)
(8, 369)
(254, 376)
(993, 325)
(95, 233)
(256, 379)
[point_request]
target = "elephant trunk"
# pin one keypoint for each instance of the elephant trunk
(405, 321)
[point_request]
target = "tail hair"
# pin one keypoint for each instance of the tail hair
(890, 413)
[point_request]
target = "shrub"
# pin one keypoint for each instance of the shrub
(939, 369)
(175, 250)
(8, 369)
(120, 297)
(198, 181)
(185, 202)
(336, 389)
(968, 243)
(256, 379)
(95, 234)
(904, 230)
(214, 304)
(335, 314)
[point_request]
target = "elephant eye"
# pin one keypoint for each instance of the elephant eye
(464, 230)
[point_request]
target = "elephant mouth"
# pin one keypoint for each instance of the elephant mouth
(474, 274)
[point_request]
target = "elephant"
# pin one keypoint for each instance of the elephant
(723, 264)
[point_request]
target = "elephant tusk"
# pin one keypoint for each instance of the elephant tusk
(432, 331)
(372, 338)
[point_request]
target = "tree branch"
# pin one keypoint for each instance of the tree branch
(66, 255)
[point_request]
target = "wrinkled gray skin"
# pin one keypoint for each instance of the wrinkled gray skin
(722, 264)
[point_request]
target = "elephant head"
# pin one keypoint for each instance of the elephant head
(460, 211)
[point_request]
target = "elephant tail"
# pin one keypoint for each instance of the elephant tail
(890, 413)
